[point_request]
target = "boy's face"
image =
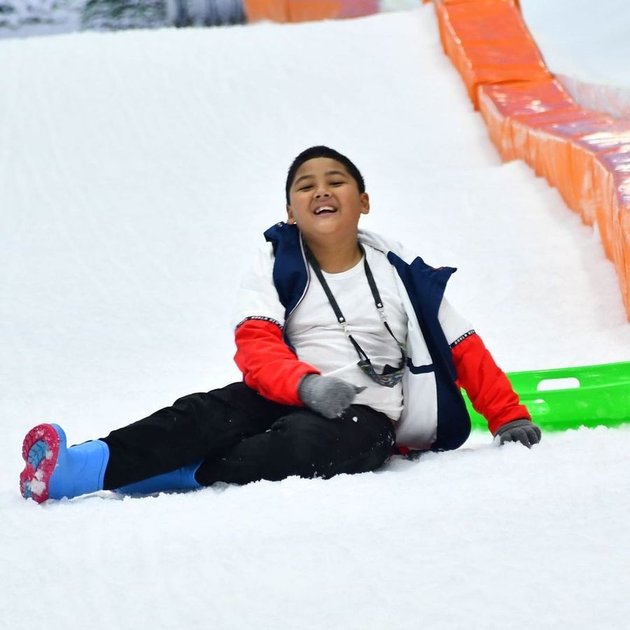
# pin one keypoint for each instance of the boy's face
(325, 202)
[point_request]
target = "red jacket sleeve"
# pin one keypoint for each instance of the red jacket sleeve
(487, 386)
(268, 365)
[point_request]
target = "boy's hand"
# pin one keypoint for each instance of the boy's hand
(327, 395)
(523, 431)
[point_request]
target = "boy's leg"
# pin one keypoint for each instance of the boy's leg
(196, 427)
(306, 444)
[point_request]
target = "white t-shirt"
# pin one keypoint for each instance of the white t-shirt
(320, 340)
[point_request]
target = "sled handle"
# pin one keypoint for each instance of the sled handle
(555, 384)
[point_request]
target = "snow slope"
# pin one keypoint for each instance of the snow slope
(137, 171)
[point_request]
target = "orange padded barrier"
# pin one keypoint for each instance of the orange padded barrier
(501, 103)
(274, 10)
(611, 177)
(488, 42)
(584, 154)
(530, 116)
(594, 198)
(307, 10)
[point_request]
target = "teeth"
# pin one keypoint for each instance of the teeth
(324, 209)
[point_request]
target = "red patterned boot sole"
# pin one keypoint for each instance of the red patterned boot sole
(40, 451)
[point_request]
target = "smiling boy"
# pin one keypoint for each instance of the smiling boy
(327, 203)
(348, 351)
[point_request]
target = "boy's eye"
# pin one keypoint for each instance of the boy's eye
(305, 187)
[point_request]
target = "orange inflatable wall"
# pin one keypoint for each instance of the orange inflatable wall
(583, 153)
(306, 10)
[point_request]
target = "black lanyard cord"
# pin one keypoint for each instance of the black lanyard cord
(335, 307)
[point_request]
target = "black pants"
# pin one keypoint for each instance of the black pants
(240, 437)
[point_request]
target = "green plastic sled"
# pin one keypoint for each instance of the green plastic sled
(568, 398)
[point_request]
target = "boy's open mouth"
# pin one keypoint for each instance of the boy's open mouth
(325, 210)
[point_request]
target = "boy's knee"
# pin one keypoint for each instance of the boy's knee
(322, 447)
(309, 441)
(306, 431)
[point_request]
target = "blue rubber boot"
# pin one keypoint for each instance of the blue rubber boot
(54, 471)
(176, 480)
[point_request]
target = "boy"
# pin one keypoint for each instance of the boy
(348, 351)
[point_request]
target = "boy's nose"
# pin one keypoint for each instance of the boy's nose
(321, 192)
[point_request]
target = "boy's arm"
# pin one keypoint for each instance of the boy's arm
(268, 365)
(487, 386)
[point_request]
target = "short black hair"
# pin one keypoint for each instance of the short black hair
(326, 152)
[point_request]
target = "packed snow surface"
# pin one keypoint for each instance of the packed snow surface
(137, 172)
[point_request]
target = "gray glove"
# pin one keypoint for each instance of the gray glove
(523, 431)
(327, 395)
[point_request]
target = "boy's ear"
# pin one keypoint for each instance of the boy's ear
(290, 217)
(365, 203)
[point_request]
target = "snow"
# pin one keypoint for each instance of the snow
(587, 48)
(137, 172)
(577, 39)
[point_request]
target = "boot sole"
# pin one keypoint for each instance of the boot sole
(40, 451)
